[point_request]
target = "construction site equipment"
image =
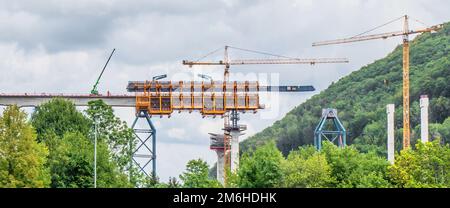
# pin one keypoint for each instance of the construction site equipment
(142, 153)
(337, 135)
(268, 61)
(209, 98)
(227, 61)
(212, 86)
(159, 77)
(212, 98)
(162, 98)
(94, 90)
(231, 129)
(203, 76)
(280, 60)
(145, 150)
(405, 33)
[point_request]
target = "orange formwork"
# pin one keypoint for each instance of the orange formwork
(208, 98)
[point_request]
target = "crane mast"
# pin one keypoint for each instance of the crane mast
(405, 73)
(405, 88)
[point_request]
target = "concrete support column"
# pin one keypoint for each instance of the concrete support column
(220, 166)
(234, 150)
(390, 109)
(424, 103)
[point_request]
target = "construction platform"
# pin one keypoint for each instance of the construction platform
(209, 98)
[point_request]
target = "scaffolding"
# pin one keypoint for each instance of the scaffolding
(209, 98)
(144, 151)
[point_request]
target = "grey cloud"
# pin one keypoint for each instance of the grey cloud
(72, 25)
(60, 46)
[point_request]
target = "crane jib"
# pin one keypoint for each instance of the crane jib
(193, 86)
(308, 88)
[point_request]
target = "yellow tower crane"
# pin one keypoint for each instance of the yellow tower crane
(405, 33)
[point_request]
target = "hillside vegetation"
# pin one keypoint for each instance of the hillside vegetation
(362, 96)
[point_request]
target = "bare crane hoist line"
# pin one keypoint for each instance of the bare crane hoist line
(94, 90)
(405, 33)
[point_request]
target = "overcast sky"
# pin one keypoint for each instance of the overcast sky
(60, 46)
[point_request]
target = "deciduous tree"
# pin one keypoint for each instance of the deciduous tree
(22, 158)
(261, 168)
(426, 166)
(196, 175)
(307, 168)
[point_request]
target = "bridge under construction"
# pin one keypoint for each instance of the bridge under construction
(161, 98)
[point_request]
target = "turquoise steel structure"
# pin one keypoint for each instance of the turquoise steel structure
(337, 135)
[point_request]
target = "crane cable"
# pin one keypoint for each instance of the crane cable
(420, 22)
(261, 52)
(378, 27)
(208, 54)
(246, 50)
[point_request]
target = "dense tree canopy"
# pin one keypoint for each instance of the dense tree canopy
(426, 167)
(352, 169)
(56, 117)
(261, 168)
(69, 135)
(68, 162)
(73, 165)
(308, 168)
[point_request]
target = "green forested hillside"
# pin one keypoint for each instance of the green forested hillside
(362, 96)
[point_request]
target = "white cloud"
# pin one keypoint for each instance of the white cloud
(173, 157)
(177, 133)
(209, 125)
